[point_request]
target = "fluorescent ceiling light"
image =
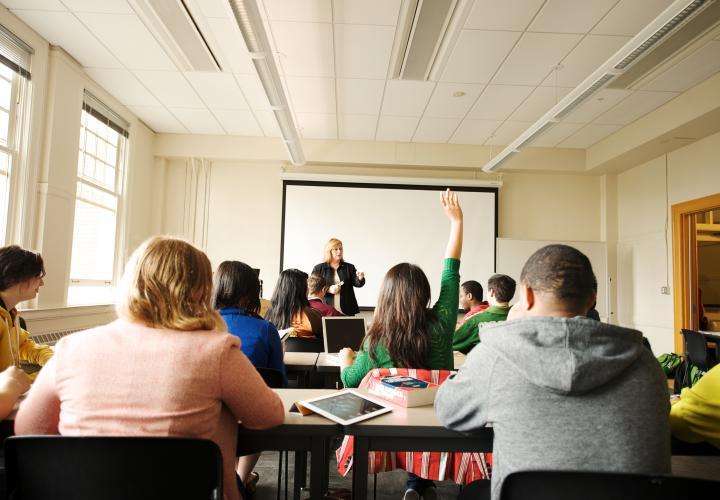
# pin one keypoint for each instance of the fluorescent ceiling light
(175, 29)
(675, 16)
(248, 19)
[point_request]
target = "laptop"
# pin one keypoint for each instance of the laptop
(339, 332)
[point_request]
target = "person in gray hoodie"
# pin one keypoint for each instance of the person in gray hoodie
(562, 392)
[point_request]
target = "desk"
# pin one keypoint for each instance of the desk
(458, 359)
(713, 337)
(302, 363)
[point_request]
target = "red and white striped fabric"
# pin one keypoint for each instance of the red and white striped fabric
(463, 468)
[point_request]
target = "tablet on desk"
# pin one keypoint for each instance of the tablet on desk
(346, 407)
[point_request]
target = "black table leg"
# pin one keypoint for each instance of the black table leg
(317, 464)
(360, 467)
(300, 473)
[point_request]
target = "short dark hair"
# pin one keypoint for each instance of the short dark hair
(474, 288)
(237, 285)
(18, 265)
(316, 282)
(503, 286)
(562, 271)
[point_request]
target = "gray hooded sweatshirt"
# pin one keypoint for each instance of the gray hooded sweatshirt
(562, 393)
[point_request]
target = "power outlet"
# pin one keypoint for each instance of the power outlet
(665, 290)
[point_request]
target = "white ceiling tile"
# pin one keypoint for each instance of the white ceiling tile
(555, 134)
(363, 51)
(312, 95)
(508, 15)
(380, 12)
(533, 57)
(229, 46)
(64, 29)
(357, 127)
(170, 88)
(268, 123)
(636, 105)
(406, 98)
(128, 39)
(628, 17)
(159, 119)
(305, 49)
(477, 55)
(588, 135)
(506, 133)
(253, 90)
(123, 85)
(436, 130)
(310, 11)
(105, 6)
(596, 105)
(238, 122)
(590, 53)
(217, 90)
(396, 128)
(570, 16)
(474, 131)
(198, 121)
(34, 4)
(317, 125)
(695, 68)
(498, 101)
(538, 103)
(445, 104)
(215, 8)
(359, 97)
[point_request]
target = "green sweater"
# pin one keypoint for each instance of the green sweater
(466, 337)
(440, 356)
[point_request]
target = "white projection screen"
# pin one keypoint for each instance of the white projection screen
(381, 225)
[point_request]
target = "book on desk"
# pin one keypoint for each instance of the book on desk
(404, 391)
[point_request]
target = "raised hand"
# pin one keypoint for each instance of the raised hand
(451, 205)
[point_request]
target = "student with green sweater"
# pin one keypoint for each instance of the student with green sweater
(501, 289)
(405, 333)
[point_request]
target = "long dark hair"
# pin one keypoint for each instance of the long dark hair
(289, 297)
(236, 285)
(402, 317)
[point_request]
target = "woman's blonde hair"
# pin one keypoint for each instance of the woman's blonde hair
(168, 284)
(334, 242)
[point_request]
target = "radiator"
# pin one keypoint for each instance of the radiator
(51, 338)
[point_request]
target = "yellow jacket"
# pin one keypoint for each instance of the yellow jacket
(696, 417)
(15, 343)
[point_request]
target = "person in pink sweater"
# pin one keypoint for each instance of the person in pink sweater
(166, 367)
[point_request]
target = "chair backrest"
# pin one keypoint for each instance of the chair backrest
(298, 344)
(273, 378)
(112, 468)
(571, 485)
(696, 349)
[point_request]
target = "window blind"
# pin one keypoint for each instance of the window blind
(14, 53)
(100, 111)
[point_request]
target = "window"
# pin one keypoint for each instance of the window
(100, 174)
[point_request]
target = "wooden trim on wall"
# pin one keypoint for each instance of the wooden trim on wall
(684, 248)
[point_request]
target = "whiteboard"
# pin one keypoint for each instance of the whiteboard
(512, 255)
(381, 225)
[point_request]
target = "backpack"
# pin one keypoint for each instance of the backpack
(669, 363)
(687, 375)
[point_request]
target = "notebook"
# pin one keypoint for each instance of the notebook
(339, 332)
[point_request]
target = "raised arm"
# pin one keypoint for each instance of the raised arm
(450, 204)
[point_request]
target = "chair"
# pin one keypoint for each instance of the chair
(573, 485)
(697, 351)
(112, 468)
(274, 379)
(297, 344)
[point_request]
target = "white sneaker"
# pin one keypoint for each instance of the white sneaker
(430, 493)
(411, 495)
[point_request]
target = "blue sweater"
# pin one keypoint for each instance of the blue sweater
(259, 339)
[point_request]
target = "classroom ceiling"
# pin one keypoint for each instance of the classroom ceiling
(335, 57)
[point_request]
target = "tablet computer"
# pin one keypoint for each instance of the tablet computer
(346, 407)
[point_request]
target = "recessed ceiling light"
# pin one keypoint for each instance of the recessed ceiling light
(458, 93)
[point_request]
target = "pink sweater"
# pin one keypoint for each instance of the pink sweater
(125, 379)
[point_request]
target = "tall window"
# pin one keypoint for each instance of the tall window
(14, 76)
(100, 174)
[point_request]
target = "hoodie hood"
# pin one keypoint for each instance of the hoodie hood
(564, 355)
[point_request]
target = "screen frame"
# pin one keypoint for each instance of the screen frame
(308, 403)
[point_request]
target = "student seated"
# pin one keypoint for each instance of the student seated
(562, 391)
(471, 300)
(166, 367)
(13, 383)
(501, 289)
(289, 306)
(21, 276)
(317, 288)
(696, 416)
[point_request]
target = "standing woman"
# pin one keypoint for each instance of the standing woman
(342, 278)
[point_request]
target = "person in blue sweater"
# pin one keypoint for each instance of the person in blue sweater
(237, 299)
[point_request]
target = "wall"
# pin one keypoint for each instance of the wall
(644, 261)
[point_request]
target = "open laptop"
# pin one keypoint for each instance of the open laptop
(339, 332)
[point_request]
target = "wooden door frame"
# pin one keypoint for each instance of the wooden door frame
(684, 247)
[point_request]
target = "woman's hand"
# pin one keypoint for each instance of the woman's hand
(346, 357)
(450, 204)
(360, 275)
(14, 381)
(334, 289)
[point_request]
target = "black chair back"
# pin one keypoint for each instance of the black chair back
(298, 344)
(272, 377)
(112, 468)
(570, 485)
(696, 349)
